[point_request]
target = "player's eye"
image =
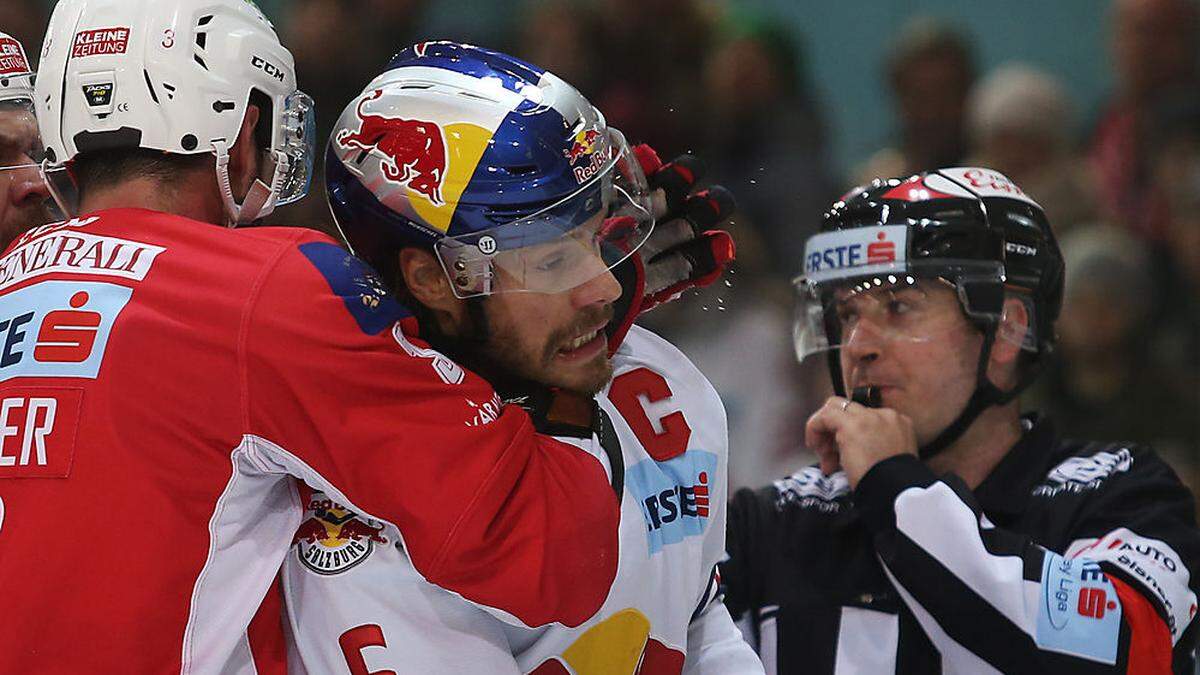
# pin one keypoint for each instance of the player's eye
(551, 263)
(898, 307)
(846, 315)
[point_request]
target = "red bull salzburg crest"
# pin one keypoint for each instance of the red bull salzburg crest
(332, 539)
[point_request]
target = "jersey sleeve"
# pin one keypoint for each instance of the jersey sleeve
(715, 644)
(752, 526)
(1141, 529)
(337, 393)
(992, 600)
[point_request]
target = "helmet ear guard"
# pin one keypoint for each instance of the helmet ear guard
(982, 300)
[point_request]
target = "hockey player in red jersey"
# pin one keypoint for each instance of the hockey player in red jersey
(165, 380)
(23, 193)
(497, 198)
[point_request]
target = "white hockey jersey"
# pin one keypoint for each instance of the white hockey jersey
(356, 605)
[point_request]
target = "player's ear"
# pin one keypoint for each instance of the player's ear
(427, 283)
(1010, 335)
(244, 155)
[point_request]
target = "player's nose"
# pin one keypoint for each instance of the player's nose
(27, 188)
(602, 289)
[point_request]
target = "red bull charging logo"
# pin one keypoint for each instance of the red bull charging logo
(333, 539)
(584, 143)
(414, 151)
(584, 146)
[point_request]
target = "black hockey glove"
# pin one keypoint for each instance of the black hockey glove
(682, 252)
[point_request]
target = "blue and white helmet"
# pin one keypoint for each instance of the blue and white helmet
(502, 169)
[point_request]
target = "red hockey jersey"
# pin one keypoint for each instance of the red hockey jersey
(162, 384)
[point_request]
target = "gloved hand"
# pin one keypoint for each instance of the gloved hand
(681, 252)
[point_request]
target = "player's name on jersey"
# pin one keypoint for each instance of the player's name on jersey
(74, 252)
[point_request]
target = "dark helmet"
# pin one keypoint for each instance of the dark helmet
(972, 227)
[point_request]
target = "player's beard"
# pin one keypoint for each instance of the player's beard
(18, 221)
(514, 360)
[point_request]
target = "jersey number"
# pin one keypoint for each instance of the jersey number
(626, 393)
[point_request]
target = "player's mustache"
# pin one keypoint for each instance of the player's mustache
(588, 318)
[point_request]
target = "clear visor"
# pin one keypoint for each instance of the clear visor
(17, 87)
(61, 185)
(298, 147)
(911, 306)
(19, 123)
(562, 246)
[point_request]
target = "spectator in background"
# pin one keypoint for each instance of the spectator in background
(649, 79)
(1154, 57)
(930, 70)
(1104, 382)
(1177, 175)
(337, 45)
(1020, 122)
(1176, 345)
(764, 136)
(557, 34)
(25, 20)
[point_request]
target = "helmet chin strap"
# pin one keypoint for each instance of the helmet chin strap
(55, 193)
(260, 200)
(985, 396)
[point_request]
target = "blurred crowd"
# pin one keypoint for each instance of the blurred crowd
(732, 86)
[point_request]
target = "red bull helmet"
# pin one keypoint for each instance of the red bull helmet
(176, 76)
(883, 247)
(502, 169)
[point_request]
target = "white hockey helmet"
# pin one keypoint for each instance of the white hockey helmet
(175, 76)
(16, 77)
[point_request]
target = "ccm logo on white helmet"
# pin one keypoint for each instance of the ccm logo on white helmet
(267, 67)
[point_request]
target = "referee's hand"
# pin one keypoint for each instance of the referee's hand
(855, 438)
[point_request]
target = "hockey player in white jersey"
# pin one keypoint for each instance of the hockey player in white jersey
(500, 206)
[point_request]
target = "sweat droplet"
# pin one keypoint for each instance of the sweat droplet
(728, 284)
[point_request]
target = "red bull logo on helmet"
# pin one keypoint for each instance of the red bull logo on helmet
(332, 539)
(413, 151)
(584, 146)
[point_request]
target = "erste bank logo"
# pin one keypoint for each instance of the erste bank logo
(58, 328)
(674, 496)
